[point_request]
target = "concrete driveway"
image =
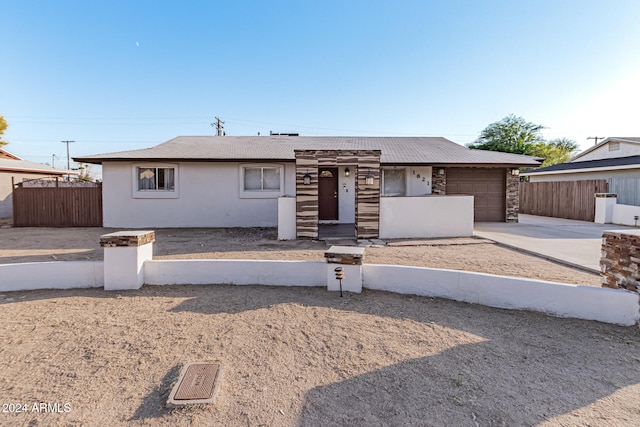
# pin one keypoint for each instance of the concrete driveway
(573, 242)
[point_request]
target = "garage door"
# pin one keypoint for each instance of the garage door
(486, 185)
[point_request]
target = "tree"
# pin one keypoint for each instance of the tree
(3, 127)
(555, 151)
(84, 173)
(510, 135)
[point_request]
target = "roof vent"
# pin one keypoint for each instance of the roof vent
(282, 134)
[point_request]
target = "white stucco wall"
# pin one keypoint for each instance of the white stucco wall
(51, 275)
(208, 196)
(579, 176)
(583, 302)
(236, 272)
(624, 214)
(428, 216)
(603, 152)
(418, 181)
(346, 196)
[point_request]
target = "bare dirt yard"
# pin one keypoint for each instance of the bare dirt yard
(66, 244)
(304, 356)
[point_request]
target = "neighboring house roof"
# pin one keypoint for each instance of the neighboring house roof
(631, 140)
(395, 150)
(5, 154)
(13, 165)
(616, 163)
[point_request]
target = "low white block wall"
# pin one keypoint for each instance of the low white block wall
(623, 214)
(426, 216)
(236, 272)
(287, 218)
(583, 302)
(51, 275)
(352, 281)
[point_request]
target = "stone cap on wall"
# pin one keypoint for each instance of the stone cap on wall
(347, 255)
(127, 238)
(605, 195)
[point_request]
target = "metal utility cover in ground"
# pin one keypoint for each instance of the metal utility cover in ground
(198, 383)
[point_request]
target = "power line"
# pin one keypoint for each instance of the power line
(218, 125)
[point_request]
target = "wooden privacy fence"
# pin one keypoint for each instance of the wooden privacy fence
(57, 206)
(562, 199)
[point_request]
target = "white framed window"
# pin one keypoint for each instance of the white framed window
(261, 181)
(155, 181)
(394, 183)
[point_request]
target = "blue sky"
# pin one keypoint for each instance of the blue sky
(121, 75)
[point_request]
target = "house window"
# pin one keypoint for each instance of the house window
(261, 181)
(393, 183)
(156, 179)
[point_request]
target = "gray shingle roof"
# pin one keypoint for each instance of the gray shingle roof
(395, 150)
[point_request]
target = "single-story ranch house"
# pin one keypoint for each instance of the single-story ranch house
(385, 186)
(614, 157)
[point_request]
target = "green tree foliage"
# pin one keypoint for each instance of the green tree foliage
(515, 135)
(555, 151)
(3, 127)
(510, 135)
(84, 173)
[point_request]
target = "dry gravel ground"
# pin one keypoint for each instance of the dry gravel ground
(65, 244)
(303, 356)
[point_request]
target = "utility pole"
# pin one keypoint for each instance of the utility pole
(596, 138)
(68, 156)
(218, 125)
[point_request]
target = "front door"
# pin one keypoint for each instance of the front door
(328, 194)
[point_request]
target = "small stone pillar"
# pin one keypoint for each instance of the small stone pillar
(124, 255)
(604, 207)
(620, 262)
(350, 259)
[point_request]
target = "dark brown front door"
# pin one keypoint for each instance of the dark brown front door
(328, 194)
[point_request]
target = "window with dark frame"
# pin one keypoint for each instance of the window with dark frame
(156, 179)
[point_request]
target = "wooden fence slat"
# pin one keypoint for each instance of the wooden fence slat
(57, 207)
(561, 199)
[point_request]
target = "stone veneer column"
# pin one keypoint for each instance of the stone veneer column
(438, 182)
(368, 195)
(512, 197)
(124, 255)
(306, 195)
(620, 262)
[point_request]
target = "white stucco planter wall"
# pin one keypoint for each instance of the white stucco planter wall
(287, 218)
(236, 272)
(623, 214)
(428, 216)
(562, 300)
(51, 275)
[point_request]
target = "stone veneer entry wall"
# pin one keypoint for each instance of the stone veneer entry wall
(620, 262)
(512, 201)
(367, 207)
(438, 181)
